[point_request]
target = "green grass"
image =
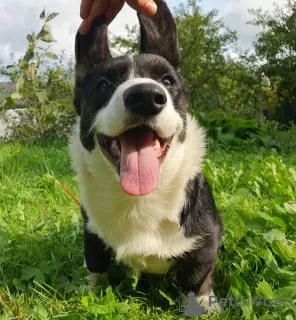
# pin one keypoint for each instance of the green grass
(41, 240)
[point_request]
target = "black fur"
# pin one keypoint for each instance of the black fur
(159, 57)
(97, 77)
(199, 217)
(89, 50)
(98, 90)
(159, 35)
(96, 255)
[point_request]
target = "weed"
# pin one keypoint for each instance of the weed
(41, 250)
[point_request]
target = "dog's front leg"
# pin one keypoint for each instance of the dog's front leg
(96, 257)
(194, 276)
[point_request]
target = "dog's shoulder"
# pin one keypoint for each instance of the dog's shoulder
(200, 214)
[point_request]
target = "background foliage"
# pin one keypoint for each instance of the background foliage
(258, 84)
(43, 89)
(246, 102)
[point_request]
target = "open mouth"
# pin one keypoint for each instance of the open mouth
(137, 155)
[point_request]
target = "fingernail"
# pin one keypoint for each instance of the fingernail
(150, 8)
(84, 27)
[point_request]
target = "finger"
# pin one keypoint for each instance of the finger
(113, 9)
(85, 8)
(98, 8)
(148, 7)
(85, 26)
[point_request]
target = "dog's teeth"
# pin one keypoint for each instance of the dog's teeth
(115, 148)
(156, 144)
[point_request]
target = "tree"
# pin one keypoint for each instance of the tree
(129, 44)
(204, 43)
(44, 87)
(203, 40)
(275, 45)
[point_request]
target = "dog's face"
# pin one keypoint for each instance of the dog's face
(133, 107)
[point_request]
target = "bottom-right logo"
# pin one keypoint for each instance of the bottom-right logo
(194, 309)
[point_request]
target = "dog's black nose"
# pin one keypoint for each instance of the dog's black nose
(145, 99)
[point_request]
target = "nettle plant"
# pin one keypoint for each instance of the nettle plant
(43, 97)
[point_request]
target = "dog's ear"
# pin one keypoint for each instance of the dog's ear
(90, 49)
(93, 47)
(159, 34)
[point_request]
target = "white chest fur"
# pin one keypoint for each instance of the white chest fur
(144, 232)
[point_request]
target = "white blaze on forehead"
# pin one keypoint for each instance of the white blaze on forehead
(114, 118)
(132, 74)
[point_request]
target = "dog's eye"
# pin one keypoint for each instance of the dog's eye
(104, 84)
(167, 81)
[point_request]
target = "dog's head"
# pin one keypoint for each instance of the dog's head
(133, 107)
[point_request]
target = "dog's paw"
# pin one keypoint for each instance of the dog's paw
(200, 305)
(93, 280)
(210, 303)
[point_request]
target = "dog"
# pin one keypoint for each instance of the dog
(138, 153)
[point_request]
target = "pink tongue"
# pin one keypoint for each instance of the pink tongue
(139, 166)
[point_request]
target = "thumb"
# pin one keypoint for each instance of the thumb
(148, 7)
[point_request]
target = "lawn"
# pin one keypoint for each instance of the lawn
(41, 240)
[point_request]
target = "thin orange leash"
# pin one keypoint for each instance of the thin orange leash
(69, 193)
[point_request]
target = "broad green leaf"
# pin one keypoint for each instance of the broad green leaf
(121, 308)
(31, 71)
(22, 63)
(286, 274)
(29, 56)
(265, 290)
(41, 96)
(85, 301)
(42, 15)
(67, 104)
(239, 287)
(102, 309)
(282, 248)
(273, 235)
(40, 313)
(30, 38)
(2, 100)
(286, 292)
(290, 208)
(72, 317)
(16, 96)
(269, 259)
(45, 267)
(252, 220)
(45, 34)
(39, 277)
(110, 294)
(293, 172)
(51, 16)
(280, 210)
(51, 56)
(225, 138)
(29, 273)
(18, 284)
(268, 317)
(20, 83)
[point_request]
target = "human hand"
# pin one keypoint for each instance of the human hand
(90, 9)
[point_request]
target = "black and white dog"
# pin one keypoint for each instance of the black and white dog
(137, 153)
